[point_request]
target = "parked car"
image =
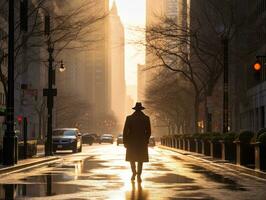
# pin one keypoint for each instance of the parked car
(106, 138)
(88, 138)
(96, 138)
(67, 139)
(119, 139)
(152, 141)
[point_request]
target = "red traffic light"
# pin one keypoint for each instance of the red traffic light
(20, 118)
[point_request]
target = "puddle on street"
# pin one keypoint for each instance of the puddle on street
(53, 181)
(99, 177)
(37, 190)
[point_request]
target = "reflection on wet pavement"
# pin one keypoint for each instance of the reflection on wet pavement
(137, 192)
(100, 172)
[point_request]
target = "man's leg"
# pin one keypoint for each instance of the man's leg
(140, 168)
(140, 164)
(133, 169)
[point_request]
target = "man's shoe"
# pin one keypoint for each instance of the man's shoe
(139, 179)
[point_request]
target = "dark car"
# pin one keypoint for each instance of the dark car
(67, 139)
(106, 138)
(88, 138)
(96, 138)
(152, 141)
(119, 140)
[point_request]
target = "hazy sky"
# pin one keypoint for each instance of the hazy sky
(132, 13)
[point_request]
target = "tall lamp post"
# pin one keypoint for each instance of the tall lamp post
(50, 92)
(10, 140)
(226, 86)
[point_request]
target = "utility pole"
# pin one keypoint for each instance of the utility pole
(10, 141)
(226, 86)
(50, 92)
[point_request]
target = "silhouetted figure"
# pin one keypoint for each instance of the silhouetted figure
(136, 134)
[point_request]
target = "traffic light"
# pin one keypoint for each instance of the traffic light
(20, 118)
(24, 15)
(257, 70)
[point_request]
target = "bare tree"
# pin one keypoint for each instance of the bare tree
(168, 99)
(71, 28)
(194, 50)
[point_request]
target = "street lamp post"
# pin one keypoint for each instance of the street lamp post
(50, 92)
(10, 140)
(226, 86)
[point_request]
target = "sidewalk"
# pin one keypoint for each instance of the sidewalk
(25, 164)
(217, 163)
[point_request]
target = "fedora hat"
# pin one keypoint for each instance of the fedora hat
(138, 106)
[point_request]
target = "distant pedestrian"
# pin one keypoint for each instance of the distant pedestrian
(136, 134)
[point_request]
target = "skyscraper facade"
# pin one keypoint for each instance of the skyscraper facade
(86, 84)
(117, 65)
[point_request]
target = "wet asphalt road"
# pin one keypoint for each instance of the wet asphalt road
(100, 172)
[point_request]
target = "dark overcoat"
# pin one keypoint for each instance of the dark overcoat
(136, 134)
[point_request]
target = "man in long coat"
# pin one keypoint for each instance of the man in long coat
(136, 134)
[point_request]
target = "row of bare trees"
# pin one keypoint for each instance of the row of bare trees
(193, 53)
(71, 27)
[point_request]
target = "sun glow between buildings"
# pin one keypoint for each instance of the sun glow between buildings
(133, 15)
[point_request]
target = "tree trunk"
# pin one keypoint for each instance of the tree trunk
(208, 107)
(196, 113)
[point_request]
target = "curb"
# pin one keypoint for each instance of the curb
(21, 167)
(223, 164)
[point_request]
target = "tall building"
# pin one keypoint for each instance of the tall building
(156, 11)
(246, 95)
(117, 65)
(84, 89)
(31, 76)
(171, 8)
(141, 83)
(251, 112)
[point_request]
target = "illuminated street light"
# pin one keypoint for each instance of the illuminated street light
(62, 66)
